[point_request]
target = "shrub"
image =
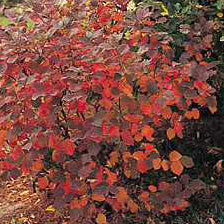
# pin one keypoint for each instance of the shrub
(87, 91)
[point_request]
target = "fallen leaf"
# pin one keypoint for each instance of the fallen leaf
(101, 219)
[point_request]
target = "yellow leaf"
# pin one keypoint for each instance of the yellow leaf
(50, 208)
(101, 219)
(131, 6)
(220, 14)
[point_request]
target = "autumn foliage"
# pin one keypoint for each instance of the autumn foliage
(85, 95)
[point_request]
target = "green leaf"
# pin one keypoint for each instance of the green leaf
(219, 4)
(30, 24)
(4, 21)
(222, 38)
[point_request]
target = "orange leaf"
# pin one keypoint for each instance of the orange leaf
(167, 113)
(139, 155)
(195, 113)
(135, 118)
(43, 182)
(188, 115)
(138, 137)
(111, 177)
(126, 155)
(147, 131)
(83, 201)
(37, 165)
(174, 156)
(165, 165)
(106, 103)
(156, 163)
(2, 137)
(122, 195)
(170, 133)
(127, 89)
(219, 166)
(101, 219)
(144, 196)
(113, 158)
(152, 188)
(133, 206)
(182, 204)
(98, 197)
(177, 167)
(127, 173)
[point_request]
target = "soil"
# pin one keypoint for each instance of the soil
(20, 205)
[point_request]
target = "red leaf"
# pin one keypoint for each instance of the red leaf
(43, 182)
(43, 109)
(127, 138)
(142, 166)
(81, 105)
(114, 131)
(68, 147)
(67, 185)
(104, 128)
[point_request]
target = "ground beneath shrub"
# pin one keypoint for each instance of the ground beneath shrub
(20, 205)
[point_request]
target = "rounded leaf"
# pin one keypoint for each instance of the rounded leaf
(156, 163)
(43, 182)
(165, 165)
(177, 167)
(195, 113)
(98, 197)
(101, 219)
(170, 132)
(187, 161)
(174, 156)
(152, 188)
(132, 206)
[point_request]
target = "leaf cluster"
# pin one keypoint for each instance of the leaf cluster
(89, 87)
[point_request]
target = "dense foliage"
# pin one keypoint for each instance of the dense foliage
(88, 92)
